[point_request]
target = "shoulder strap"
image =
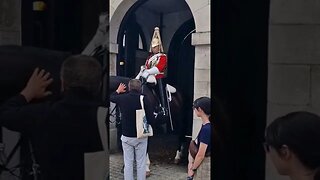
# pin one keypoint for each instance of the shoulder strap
(141, 101)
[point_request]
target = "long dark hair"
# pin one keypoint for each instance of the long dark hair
(300, 131)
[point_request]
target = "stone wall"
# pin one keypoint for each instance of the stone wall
(10, 33)
(10, 22)
(201, 39)
(294, 61)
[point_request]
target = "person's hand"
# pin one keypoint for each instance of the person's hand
(37, 85)
(145, 74)
(121, 88)
(143, 67)
(190, 172)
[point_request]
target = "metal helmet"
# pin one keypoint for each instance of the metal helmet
(156, 40)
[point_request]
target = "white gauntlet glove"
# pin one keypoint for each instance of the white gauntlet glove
(145, 74)
(152, 71)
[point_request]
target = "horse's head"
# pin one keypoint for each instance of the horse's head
(18, 63)
(114, 82)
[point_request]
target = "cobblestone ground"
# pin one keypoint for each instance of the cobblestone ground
(159, 170)
(161, 152)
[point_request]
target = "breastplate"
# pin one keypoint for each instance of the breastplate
(154, 60)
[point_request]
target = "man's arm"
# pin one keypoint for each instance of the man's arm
(114, 96)
(17, 114)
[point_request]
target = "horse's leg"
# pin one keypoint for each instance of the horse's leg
(119, 129)
(181, 147)
(178, 106)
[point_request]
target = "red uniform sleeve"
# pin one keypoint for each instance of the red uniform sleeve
(162, 64)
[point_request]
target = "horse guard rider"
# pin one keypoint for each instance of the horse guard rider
(154, 71)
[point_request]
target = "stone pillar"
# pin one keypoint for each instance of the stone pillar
(201, 40)
(10, 22)
(113, 51)
(10, 34)
(294, 61)
(202, 83)
(117, 11)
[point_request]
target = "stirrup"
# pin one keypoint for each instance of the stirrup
(163, 111)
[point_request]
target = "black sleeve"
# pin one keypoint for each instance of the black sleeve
(18, 115)
(149, 111)
(114, 97)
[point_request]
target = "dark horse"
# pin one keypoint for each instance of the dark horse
(16, 66)
(176, 109)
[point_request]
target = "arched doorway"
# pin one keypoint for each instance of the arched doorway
(181, 59)
(136, 28)
(176, 26)
(133, 37)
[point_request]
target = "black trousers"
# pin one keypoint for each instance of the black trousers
(159, 92)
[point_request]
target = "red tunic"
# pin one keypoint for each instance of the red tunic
(160, 61)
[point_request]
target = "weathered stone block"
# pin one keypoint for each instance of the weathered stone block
(201, 38)
(196, 5)
(315, 86)
(276, 110)
(202, 24)
(10, 15)
(8, 37)
(202, 75)
(201, 87)
(112, 64)
(203, 59)
(294, 44)
(113, 48)
(289, 84)
(294, 11)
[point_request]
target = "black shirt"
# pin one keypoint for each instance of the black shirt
(60, 132)
(128, 104)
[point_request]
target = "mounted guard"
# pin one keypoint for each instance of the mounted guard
(153, 73)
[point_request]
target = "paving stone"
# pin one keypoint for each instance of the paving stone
(159, 170)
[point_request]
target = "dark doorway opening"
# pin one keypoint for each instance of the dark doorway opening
(132, 47)
(239, 78)
(181, 68)
(65, 25)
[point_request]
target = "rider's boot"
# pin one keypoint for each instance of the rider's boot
(163, 99)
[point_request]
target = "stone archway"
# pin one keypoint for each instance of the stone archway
(200, 11)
